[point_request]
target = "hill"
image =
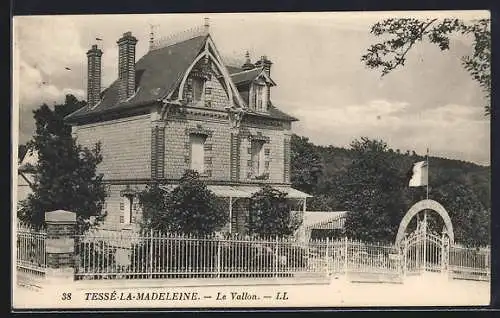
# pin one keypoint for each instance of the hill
(463, 188)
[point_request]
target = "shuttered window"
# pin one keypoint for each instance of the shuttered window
(257, 157)
(197, 152)
(286, 161)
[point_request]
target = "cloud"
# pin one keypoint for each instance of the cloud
(317, 68)
(454, 131)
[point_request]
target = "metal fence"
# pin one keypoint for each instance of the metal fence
(132, 255)
(470, 263)
(156, 255)
(31, 248)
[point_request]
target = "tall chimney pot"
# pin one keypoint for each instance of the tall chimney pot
(248, 64)
(93, 75)
(126, 65)
(265, 63)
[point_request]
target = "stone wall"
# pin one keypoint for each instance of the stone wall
(125, 146)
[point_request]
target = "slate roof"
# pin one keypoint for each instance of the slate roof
(158, 73)
(153, 82)
(233, 69)
(245, 76)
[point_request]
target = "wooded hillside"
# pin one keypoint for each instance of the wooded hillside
(334, 176)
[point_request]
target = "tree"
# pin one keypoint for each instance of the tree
(270, 214)
(65, 176)
(373, 192)
(470, 218)
(306, 166)
(404, 33)
(191, 208)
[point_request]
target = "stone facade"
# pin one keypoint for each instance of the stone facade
(155, 142)
(125, 146)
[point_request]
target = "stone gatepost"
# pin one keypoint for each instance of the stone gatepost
(60, 247)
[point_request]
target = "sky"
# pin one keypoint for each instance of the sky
(430, 103)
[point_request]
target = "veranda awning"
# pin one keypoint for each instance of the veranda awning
(324, 220)
(243, 191)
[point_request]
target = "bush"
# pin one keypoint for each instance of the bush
(191, 208)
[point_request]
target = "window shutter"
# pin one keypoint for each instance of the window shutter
(154, 162)
(286, 161)
(157, 152)
(160, 164)
(235, 157)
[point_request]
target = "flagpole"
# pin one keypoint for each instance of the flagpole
(425, 214)
(427, 159)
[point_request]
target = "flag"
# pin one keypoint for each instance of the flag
(98, 39)
(419, 176)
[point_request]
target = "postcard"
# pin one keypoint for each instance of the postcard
(251, 160)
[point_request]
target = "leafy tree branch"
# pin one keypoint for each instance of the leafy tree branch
(402, 35)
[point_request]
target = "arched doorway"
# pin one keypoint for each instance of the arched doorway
(422, 249)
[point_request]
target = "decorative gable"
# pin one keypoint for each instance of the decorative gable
(208, 71)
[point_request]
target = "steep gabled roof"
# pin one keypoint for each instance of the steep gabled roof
(272, 112)
(233, 69)
(157, 74)
(245, 76)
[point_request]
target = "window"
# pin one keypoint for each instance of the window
(258, 97)
(126, 210)
(197, 152)
(257, 158)
(198, 84)
(260, 92)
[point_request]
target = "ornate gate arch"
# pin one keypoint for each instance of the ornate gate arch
(418, 207)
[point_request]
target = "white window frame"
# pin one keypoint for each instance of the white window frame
(257, 157)
(260, 97)
(200, 167)
(127, 209)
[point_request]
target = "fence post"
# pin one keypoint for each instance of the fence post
(327, 259)
(218, 258)
(150, 253)
(404, 258)
(60, 249)
(346, 250)
(276, 257)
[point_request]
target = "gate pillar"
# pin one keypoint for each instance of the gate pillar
(445, 252)
(60, 250)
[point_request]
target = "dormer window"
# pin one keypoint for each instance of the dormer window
(260, 97)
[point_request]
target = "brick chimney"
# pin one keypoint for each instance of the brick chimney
(248, 65)
(265, 63)
(126, 65)
(93, 75)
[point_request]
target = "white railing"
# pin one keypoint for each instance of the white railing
(31, 247)
(470, 263)
(133, 255)
(156, 255)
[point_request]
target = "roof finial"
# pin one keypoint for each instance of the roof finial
(247, 57)
(207, 24)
